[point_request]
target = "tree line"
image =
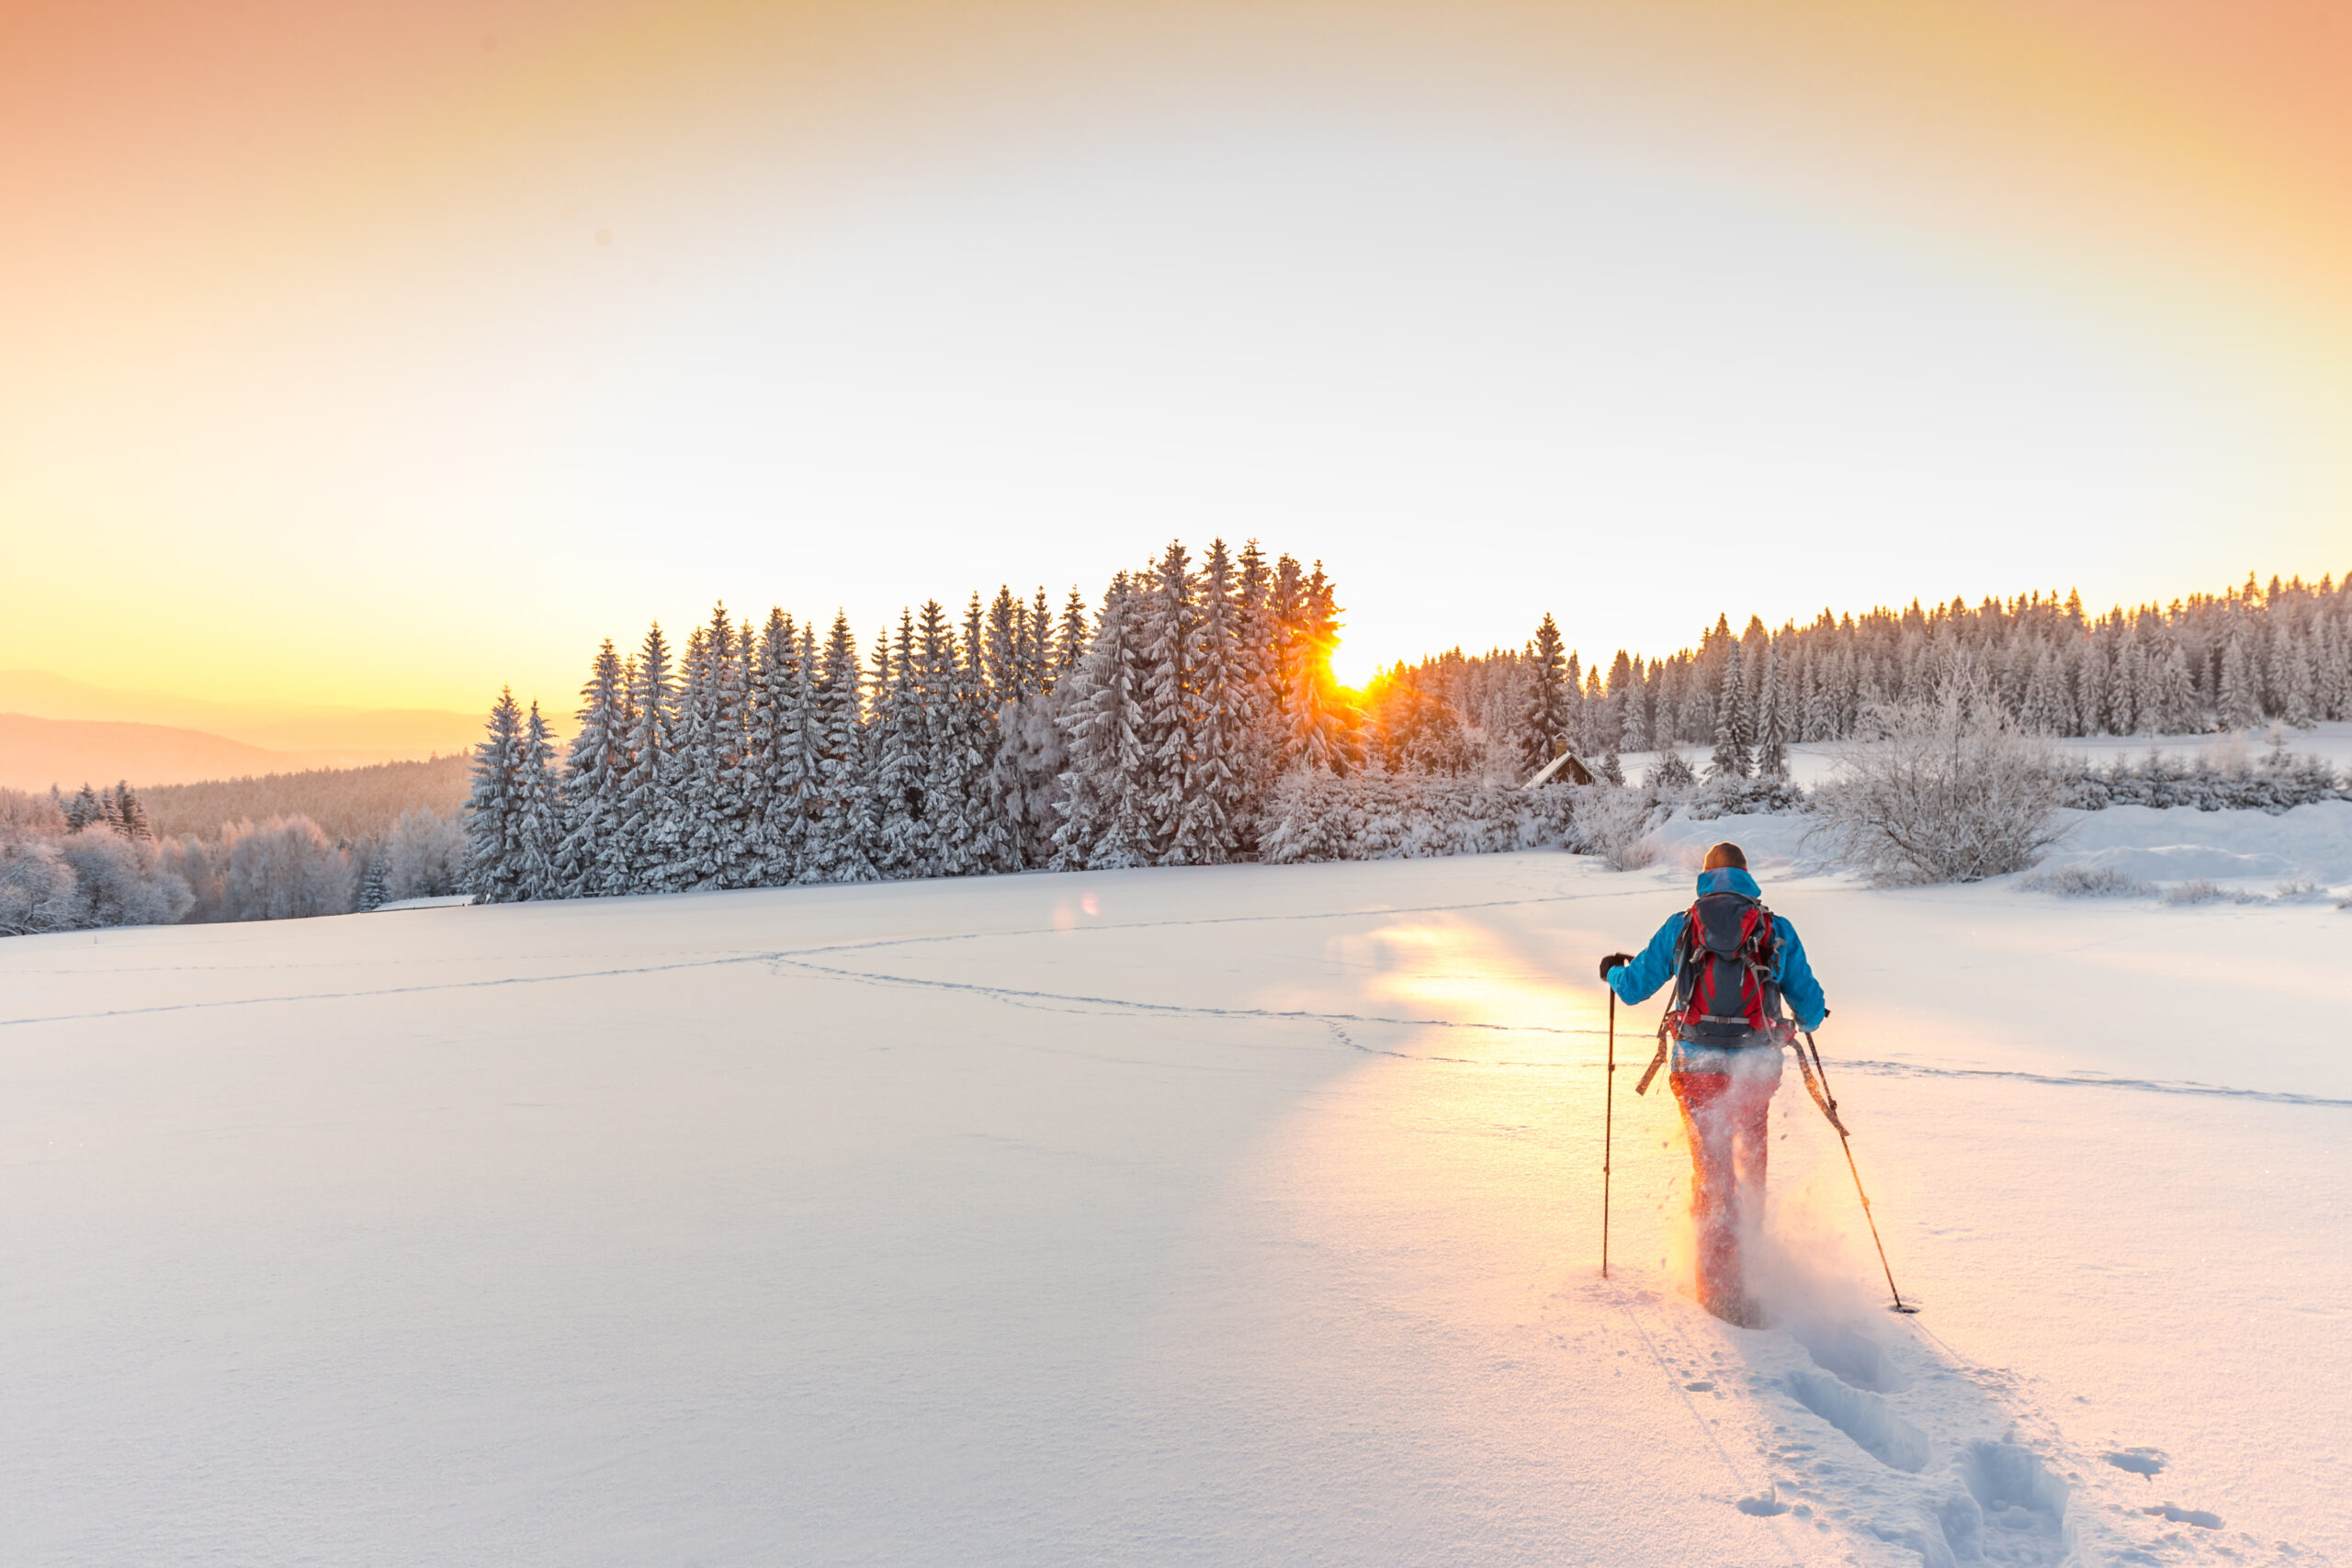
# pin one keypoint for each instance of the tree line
(1149, 730)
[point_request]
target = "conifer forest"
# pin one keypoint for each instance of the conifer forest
(1190, 718)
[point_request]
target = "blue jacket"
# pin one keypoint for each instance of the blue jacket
(1638, 981)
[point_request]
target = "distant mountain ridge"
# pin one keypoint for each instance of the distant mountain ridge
(57, 730)
(316, 730)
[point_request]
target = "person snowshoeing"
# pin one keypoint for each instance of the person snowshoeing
(1734, 963)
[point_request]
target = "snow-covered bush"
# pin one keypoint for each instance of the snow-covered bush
(36, 885)
(2298, 890)
(284, 869)
(1729, 796)
(2077, 881)
(1378, 816)
(1616, 823)
(120, 881)
(2275, 783)
(1944, 791)
(2204, 890)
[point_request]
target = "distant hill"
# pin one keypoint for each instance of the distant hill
(312, 734)
(38, 752)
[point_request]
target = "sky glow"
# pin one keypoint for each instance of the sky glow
(587, 320)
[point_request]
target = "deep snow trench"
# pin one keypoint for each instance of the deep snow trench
(1226, 1216)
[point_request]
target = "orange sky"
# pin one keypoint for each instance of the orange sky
(384, 353)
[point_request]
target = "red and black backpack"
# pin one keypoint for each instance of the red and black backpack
(1725, 967)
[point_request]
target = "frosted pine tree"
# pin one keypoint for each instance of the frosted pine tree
(2299, 701)
(540, 815)
(1772, 721)
(2240, 707)
(1733, 730)
(773, 769)
(371, 881)
(966, 741)
(493, 872)
(595, 768)
(2038, 709)
(1166, 622)
(840, 832)
(1223, 697)
(641, 856)
(1103, 728)
(1037, 663)
(688, 785)
(1321, 725)
(1544, 726)
(1073, 637)
(900, 746)
(710, 794)
(1005, 634)
(2174, 697)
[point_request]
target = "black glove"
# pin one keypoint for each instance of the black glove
(1612, 962)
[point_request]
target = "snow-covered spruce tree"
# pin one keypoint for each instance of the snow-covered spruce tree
(2176, 695)
(730, 790)
(494, 868)
(1003, 648)
(1949, 790)
(641, 857)
(125, 814)
(1771, 722)
(595, 769)
(978, 836)
(540, 826)
(1543, 727)
(1036, 647)
(1224, 699)
(1256, 702)
(775, 755)
(1167, 617)
(372, 896)
(900, 742)
(2241, 707)
(710, 841)
(1320, 728)
(1074, 636)
(1103, 733)
(1732, 729)
(839, 839)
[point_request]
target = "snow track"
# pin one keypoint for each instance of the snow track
(1216, 1216)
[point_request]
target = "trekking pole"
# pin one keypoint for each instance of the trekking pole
(1816, 1079)
(1608, 1130)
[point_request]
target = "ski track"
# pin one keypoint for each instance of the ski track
(797, 958)
(1878, 1432)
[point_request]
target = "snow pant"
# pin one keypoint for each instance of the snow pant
(1727, 1114)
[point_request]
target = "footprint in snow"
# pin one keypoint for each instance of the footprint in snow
(2140, 1461)
(2197, 1516)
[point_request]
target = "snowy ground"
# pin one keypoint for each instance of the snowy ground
(1230, 1215)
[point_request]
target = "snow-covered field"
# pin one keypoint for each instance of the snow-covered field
(1226, 1215)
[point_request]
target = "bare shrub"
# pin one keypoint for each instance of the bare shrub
(1950, 790)
(2298, 890)
(2204, 890)
(2087, 882)
(1614, 823)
